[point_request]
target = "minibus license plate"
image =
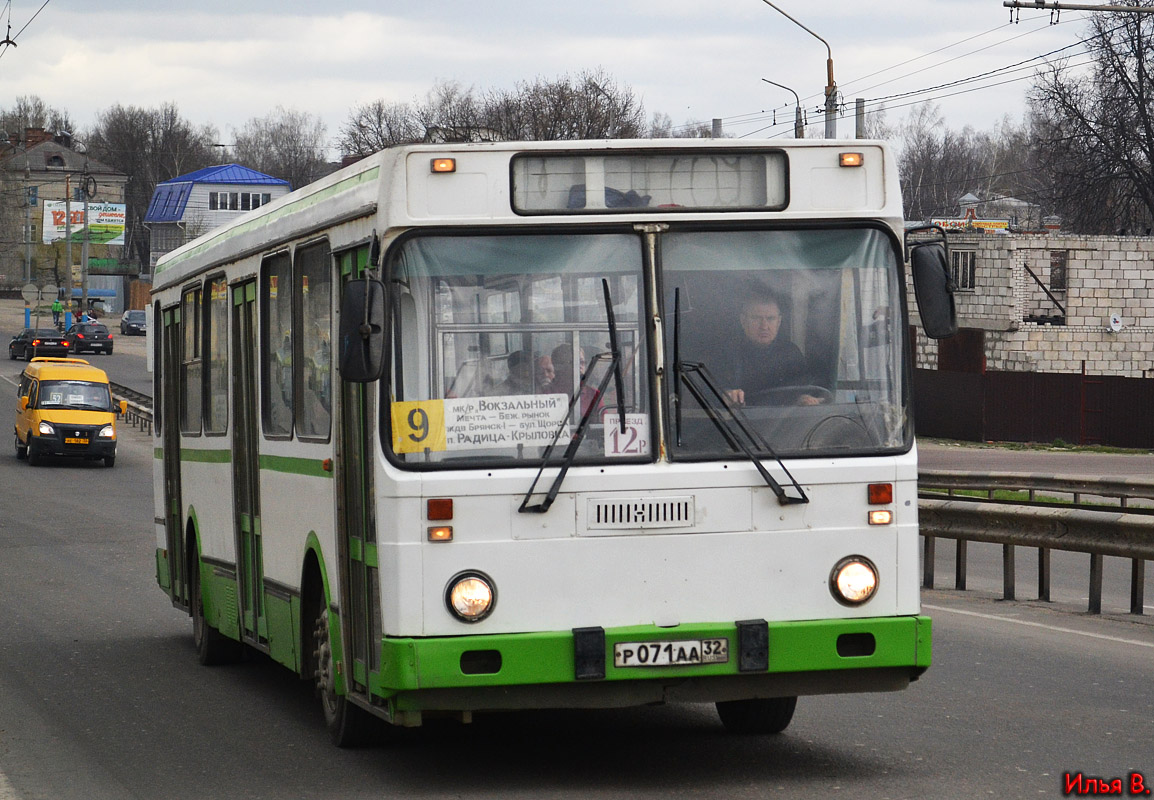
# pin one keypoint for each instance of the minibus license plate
(671, 654)
(74, 440)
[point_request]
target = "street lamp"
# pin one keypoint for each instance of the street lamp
(830, 85)
(798, 125)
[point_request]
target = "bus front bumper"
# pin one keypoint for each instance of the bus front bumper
(582, 669)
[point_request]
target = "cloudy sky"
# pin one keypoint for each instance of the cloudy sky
(226, 61)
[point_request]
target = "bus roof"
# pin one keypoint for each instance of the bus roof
(399, 190)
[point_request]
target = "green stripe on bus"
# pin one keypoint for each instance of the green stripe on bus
(294, 466)
(313, 467)
(539, 658)
(206, 456)
(267, 219)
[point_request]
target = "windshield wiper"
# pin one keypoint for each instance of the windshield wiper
(723, 416)
(570, 456)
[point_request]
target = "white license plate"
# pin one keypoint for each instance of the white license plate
(671, 653)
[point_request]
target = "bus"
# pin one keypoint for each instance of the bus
(465, 428)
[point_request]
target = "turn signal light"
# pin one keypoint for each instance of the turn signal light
(850, 159)
(444, 165)
(881, 493)
(442, 533)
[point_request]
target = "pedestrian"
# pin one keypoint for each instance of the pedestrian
(57, 308)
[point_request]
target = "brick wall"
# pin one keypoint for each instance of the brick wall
(1104, 275)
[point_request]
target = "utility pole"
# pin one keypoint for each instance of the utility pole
(84, 246)
(830, 84)
(27, 223)
(68, 251)
(798, 125)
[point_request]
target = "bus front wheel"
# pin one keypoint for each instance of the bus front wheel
(348, 725)
(761, 716)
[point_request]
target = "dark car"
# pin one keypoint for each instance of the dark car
(133, 323)
(92, 336)
(33, 342)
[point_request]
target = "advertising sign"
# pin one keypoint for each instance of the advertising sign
(105, 220)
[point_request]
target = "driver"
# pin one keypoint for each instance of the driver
(762, 360)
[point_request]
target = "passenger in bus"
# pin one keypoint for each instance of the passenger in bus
(519, 379)
(565, 380)
(545, 373)
(761, 360)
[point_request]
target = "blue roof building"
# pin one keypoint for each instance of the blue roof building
(191, 205)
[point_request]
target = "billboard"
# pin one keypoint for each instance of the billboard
(105, 221)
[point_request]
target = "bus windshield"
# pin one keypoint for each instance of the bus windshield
(797, 330)
(500, 343)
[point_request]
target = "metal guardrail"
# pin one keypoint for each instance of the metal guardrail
(139, 406)
(1110, 524)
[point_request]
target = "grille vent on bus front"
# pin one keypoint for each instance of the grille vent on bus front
(640, 512)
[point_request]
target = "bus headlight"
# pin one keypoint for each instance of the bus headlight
(46, 429)
(854, 580)
(107, 432)
(471, 596)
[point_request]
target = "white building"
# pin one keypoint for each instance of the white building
(190, 205)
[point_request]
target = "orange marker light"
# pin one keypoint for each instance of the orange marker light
(881, 493)
(439, 509)
(442, 533)
(444, 165)
(850, 159)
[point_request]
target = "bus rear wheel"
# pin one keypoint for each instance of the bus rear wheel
(757, 717)
(348, 725)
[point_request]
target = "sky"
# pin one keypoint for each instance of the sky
(224, 62)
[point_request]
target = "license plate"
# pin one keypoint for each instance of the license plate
(671, 653)
(74, 440)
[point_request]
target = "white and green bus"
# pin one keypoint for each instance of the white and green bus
(497, 426)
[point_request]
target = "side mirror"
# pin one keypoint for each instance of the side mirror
(362, 336)
(24, 403)
(933, 287)
(123, 407)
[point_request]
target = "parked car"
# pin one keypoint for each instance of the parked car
(64, 407)
(90, 336)
(33, 342)
(132, 323)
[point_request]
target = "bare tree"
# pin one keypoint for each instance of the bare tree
(590, 106)
(377, 125)
(286, 144)
(1095, 131)
(938, 165)
(149, 145)
(31, 111)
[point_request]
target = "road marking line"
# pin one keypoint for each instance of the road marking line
(6, 790)
(1039, 625)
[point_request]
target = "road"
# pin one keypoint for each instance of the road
(101, 695)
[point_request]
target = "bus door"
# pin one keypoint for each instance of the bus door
(170, 341)
(245, 464)
(356, 521)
